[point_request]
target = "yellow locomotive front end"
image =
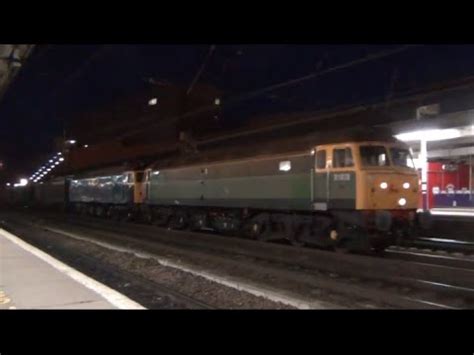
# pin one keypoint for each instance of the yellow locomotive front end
(388, 188)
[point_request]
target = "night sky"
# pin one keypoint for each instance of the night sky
(61, 80)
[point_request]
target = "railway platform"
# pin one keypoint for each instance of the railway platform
(32, 279)
(453, 212)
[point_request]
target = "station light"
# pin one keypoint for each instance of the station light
(217, 101)
(406, 185)
(402, 202)
(153, 101)
(50, 160)
(61, 159)
(23, 182)
(59, 153)
(86, 145)
(57, 163)
(71, 141)
(8, 184)
(383, 185)
(429, 135)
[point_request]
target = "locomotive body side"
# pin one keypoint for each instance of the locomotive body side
(272, 183)
(51, 194)
(103, 195)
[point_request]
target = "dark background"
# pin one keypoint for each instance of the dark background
(59, 81)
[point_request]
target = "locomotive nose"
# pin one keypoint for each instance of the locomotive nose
(393, 191)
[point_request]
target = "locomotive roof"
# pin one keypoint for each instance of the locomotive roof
(276, 146)
(244, 147)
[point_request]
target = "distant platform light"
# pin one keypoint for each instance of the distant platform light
(217, 101)
(86, 145)
(153, 101)
(23, 182)
(71, 141)
(8, 184)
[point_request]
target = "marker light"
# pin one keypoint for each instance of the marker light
(406, 185)
(383, 185)
(402, 202)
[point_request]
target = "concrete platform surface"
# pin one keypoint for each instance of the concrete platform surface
(453, 212)
(32, 279)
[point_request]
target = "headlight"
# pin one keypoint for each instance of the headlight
(406, 185)
(402, 202)
(383, 185)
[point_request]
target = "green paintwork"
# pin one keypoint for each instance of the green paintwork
(337, 189)
(285, 191)
(254, 184)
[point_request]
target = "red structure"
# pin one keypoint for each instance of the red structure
(448, 185)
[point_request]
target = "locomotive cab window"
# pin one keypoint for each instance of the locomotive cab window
(402, 157)
(374, 155)
(342, 158)
(321, 159)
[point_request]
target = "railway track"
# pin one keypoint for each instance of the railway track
(460, 247)
(149, 294)
(429, 256)
(393, 283)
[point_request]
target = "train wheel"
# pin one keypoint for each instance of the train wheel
(258, 230)
(147, 217)
(295, 234)
(342, 247)
(198, 222)
(178, 221)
